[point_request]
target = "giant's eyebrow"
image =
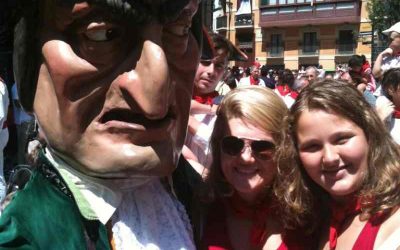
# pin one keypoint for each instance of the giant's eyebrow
(132, 11)
(138, 11)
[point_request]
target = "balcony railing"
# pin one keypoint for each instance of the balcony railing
(244, 20)
(302, 14)
(345, 48)
(309, 49)
(296, 2)
(245, 45)
(275, 50)
(222, 22)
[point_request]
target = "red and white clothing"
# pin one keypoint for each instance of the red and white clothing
(288, 95)
(247, 81)
(393, 122)
(199, 142)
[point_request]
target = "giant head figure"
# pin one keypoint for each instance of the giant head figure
(109, 81)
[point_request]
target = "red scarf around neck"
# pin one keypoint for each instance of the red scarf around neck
(396, 113)
(258, 214)
(341, 212)
(206, 98)
(254, 81)
(294, 94)
(283, 89)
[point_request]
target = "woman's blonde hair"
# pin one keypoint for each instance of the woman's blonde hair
(306, 202)
(256, 105)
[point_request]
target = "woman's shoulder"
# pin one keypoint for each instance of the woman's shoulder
(389, 233)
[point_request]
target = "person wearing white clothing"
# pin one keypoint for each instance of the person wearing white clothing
(202, 112)
(4, 102)
(388, 105)
(390, 57)
(253, 78)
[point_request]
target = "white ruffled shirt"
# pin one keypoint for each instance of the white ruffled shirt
(143, 216)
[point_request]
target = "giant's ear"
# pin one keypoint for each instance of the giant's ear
(237, 54)
(207, 49)
(27, 54)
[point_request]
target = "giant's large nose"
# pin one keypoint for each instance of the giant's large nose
(147, 84)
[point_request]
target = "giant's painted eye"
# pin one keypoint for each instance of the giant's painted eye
(101, 35)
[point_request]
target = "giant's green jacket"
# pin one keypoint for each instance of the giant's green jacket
(44, 214)
(41, 216)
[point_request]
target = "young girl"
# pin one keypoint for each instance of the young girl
(339, 170)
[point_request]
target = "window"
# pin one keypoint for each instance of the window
(217, 4)
(310, 43)
(346, 41)
(276, 47)
(344, 6)
(268, 2)
(287, 10)
(267, 12)
(286, 1)
(304, 9)
(325, 7)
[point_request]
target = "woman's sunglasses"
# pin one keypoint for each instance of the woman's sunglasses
(233, 146)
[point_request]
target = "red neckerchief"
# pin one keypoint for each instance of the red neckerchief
(206, 98)
(255, 213)
(340, 212)
(294, 94)
(396, 114)
(365, 66)
(283, 89)
(254, 81)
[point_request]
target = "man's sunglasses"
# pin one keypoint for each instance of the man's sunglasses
(233, 146)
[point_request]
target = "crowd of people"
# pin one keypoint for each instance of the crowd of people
(291, 156)
(127, 156)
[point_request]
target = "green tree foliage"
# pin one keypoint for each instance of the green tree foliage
(384, 13)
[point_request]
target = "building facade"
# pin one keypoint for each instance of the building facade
(295, 33)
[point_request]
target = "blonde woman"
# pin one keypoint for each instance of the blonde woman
(243, 172)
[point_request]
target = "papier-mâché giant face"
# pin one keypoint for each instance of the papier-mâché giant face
(113, 95)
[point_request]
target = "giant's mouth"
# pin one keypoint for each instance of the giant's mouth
(128, 116)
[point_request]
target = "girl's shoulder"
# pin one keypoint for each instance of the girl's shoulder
(389, 232)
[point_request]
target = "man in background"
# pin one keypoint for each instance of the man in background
(390, 57)
(204, 104)
(253, 78)
(312, 74)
